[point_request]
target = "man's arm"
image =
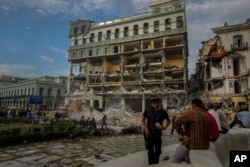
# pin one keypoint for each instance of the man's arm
(144, 124)
(179, 122)
(167, 124)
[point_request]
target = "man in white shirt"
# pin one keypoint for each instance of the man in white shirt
(210, 108)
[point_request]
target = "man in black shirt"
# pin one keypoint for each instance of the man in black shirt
(155, 117)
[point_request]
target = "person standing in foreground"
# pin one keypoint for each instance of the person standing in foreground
(155, 117)
(196, 134)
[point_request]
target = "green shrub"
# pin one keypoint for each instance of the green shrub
(15, 131)
(71, 127)
(4, 132)
(48, 128)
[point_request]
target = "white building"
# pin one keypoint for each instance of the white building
(16, 93)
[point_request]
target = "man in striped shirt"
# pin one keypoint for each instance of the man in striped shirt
(194, 128)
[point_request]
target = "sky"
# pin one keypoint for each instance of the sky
(34, 34)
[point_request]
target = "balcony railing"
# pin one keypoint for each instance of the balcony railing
(242, 46)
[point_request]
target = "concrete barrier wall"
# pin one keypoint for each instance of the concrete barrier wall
(218, 153)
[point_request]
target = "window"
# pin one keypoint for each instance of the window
(168, 24)
(237, 41)
(76, 30)
(82, 53)
(90, 53)
(98, 51)
(58, 93)
(125, 33)
(179, 22)
(99, 36)
(135, 29)
(156, 26)
(106, 50)
(91, 39)
(108, 34)
(84, 40)
(76, 42)
(41, 91)
(145, 28)
(83, 29)
(49, 92)
(117, 33)
(74, 55)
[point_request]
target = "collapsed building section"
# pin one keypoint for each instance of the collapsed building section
(224, 64)
(128, 60)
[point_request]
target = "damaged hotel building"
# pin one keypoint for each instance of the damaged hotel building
(127, 60)
(224, 65)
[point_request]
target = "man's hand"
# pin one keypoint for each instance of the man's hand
(146, 131)
(185, 139)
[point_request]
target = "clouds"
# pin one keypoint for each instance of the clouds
(47, 59)
(17, 70)
(77, 8)
(202, 16)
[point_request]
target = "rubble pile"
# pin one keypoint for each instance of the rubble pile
(117, 115)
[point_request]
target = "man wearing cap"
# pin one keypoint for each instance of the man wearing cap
(155, 115)
(194, 128)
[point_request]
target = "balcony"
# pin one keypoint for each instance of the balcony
(239, 46)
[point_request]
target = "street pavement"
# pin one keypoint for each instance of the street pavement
(84, 152)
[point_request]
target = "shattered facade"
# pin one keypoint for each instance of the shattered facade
(127, 60)
(225, 62)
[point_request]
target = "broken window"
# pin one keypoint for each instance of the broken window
(168, 24)
(217, 63)
(156, 26)
(215, 85)
(237, 87)
(135, 29)
(125, 33)
(145, 28)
